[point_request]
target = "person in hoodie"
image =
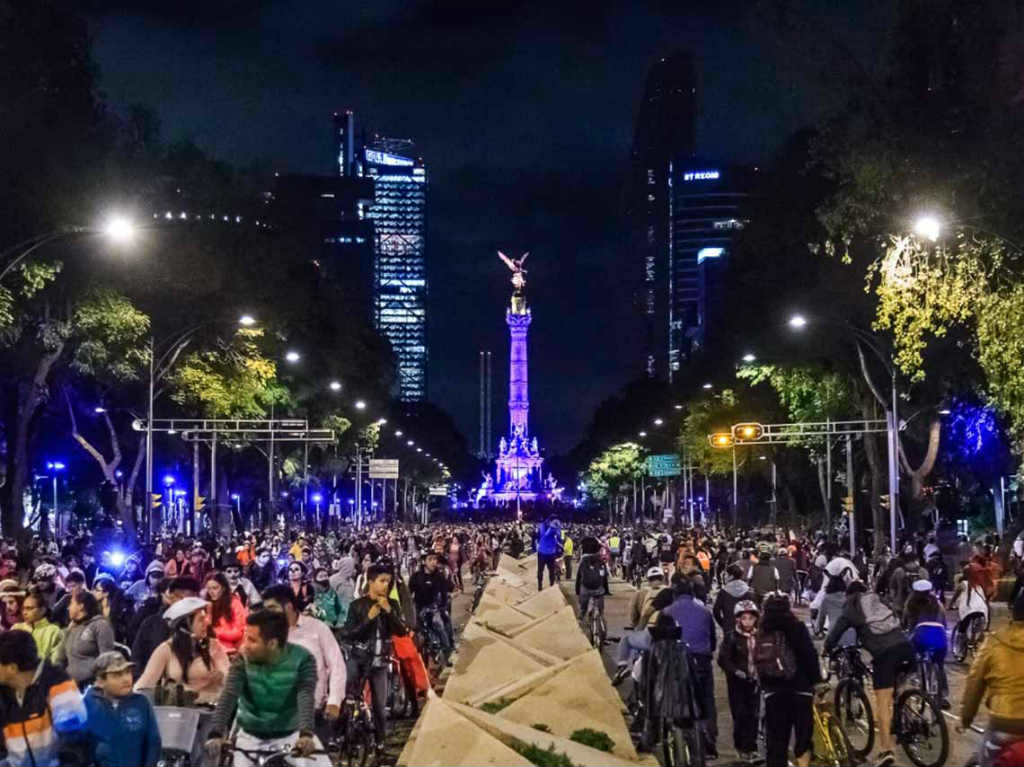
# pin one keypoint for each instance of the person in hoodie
(592, 583)
(832, 607)
(763, 576)
(996, 677)
(146, 588)
(788, 702)
(736, 658)
(549, 548)
(735, 590)
(121, 724)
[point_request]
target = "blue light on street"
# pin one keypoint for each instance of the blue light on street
(168, 480)
(55, 466)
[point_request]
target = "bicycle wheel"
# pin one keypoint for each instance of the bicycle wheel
(855, 717)
(398, 697)
(921, 729)
(975, 630)
(958, 643)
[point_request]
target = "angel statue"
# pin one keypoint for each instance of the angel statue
(518, 273)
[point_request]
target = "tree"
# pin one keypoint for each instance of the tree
(609, 472)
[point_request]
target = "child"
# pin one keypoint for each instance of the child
(122, 725)
(736, 657)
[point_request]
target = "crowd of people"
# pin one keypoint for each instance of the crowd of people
(274, 630)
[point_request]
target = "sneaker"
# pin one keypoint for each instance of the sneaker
(620, 676)
(885, 759)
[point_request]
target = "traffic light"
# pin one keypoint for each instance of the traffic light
(747, 432)
(199, 504)
(156, 500)
(721, 439)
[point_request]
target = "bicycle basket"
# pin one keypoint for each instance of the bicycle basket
(178, 726)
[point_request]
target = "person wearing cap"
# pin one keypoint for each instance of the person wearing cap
(42, 716)
(121, 724)
(736, 659)
(641, 608)
(191, 656)
(47, 635)
(925, 619)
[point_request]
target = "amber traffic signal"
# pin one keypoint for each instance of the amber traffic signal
(747, 432)
(721, 439)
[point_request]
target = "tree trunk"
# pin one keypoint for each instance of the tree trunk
(922, 472)
(823, 488)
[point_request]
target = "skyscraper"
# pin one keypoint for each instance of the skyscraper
(665, 129)
(399, 216)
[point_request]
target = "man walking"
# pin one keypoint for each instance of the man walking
(549, 543)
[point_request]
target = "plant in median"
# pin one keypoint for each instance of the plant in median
(593, 738)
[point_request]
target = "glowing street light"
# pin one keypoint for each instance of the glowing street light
(246, 320)
(99, 410)
(797, 322)
(707, 387)
(398, 432)
(658, 422)
(360, 404)
(929, 226)
(410, 443)
(293, 356)
(748, 358)
(643, 434)
(120, 229)
(334, 385)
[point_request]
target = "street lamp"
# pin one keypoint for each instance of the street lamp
(748, 358)
(892, 410)
(120, 229)
(360, 404)
(658, 422)
(929, 226)
(643, 434)
(54, 467)
(707, 387)
(335, 385)
(246, 320)
(292, 356)
(398, 432)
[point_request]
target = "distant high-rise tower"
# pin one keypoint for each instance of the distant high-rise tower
(399, 215)
(665, 130)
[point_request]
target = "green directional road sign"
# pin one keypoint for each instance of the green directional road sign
(663, 465)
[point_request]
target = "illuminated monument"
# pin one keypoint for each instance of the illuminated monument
(518, 469)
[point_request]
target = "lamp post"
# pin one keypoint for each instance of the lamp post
(55, 467)
(798, 322)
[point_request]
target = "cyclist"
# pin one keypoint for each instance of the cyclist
(122, 726)
(273, 690)
(430, 594)
(736, 658)
(924, 617)
(879, 632)
(732, 593)
(996, 678)
(372, 621)
(592, 583)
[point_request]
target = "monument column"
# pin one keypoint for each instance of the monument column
(518, 374)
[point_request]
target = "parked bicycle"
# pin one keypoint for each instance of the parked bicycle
(829, 743)
(851, 702)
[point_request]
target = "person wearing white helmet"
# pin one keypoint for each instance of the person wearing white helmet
(736, 659)
(190, 657)
(925, 619)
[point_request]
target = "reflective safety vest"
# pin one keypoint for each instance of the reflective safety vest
(567, 546)
(613, 544)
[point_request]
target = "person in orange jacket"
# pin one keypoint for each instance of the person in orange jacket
(227, 613)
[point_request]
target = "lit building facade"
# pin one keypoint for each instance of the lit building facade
(399, 216)
(707, 208)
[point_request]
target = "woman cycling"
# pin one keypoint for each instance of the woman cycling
(925, 619)
(191, 657)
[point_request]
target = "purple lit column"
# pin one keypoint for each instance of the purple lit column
(518, 377)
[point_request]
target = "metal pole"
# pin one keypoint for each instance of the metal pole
(775, 495)
(213, 478)
(359, 488)
(195, 485)
(828, 476)
(735, 489)
(707, 493)
(305, 478)
(148, 507)
(270, 472)
(56, 510)
(894, 477)
(849, 495)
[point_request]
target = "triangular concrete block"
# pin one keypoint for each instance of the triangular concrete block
(558, 635)
(579, 695)
(507, 731)
(505, 620)
(485, 661)
(448, 738)
(543, 603)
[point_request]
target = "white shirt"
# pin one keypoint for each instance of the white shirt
(314, 635)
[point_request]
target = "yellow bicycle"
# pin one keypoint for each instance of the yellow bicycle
(829, 745)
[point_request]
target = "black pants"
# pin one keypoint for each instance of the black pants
(548, 561)
(568, 567)
(378, 679)
(704, 680)
(744, 703)
(785, 713)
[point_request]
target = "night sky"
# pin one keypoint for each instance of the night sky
(524, 115)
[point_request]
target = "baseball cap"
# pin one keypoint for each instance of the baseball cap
(655, 572)
(922, 584)
(184, 607)
(110, 662)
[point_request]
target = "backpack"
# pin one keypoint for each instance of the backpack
(592, 575)
(774, 659)
(878, 618)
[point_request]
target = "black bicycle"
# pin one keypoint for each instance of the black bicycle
(852, 705)
(264, 757)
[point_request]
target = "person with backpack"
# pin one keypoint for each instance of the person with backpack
(732, 593)
(788, 670)
(880, 634)
(736, 659)
(592, 583)
(763, 577)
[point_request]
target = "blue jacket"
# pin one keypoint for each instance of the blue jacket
(696, 623)
(549, 539)
(125, 736)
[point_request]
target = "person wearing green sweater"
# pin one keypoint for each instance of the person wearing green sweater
(272, 689)
(48, 635)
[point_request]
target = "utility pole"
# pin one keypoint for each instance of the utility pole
(849, 495)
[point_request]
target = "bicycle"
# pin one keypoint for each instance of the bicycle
(852, 705)
(594, 626)
(801, 584)
(356, 743)
(967, 636)
(264, 757)
(678, 743)
(480, 578)
(829, 743)
(918, 725)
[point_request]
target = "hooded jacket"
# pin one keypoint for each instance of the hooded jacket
(995, 678)
(731, 593)
(124, 735)
(83, 644)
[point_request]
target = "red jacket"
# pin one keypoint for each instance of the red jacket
(230, 632)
